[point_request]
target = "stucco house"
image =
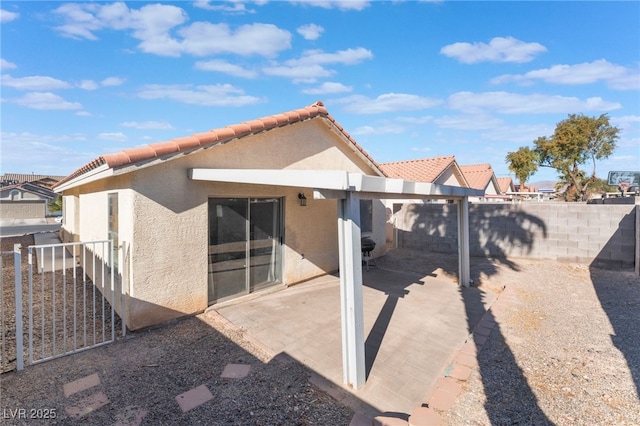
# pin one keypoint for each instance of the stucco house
(482, 177)
(208, 241)
(439, 170)
(26, 201)
(220, 214)
(224, 213)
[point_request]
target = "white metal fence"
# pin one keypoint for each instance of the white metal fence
(65, 303)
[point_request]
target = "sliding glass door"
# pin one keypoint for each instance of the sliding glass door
(245, 237)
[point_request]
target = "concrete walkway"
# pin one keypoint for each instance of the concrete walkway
(51, 259)
(414, 327)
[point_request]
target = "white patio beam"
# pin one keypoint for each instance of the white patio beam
(337, 180)
(327, 179)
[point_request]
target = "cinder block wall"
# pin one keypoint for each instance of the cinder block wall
(602, 235)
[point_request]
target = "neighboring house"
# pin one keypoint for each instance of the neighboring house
(482, 177)
(506, 185)
(216, 215)
(26, 201)
(438, 170)
(45, 181)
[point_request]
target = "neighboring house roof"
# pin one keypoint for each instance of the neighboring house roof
(198, 141)
(42, 180)
(30, 187)
(505, 184)
(422, 170)
(480, 176)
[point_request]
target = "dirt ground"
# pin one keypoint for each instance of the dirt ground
(63, 302)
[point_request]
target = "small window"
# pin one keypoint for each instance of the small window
(366, 216)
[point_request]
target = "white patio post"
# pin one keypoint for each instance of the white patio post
(464, 263)
(353, 361)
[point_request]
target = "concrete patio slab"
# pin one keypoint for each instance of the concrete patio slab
(414, 325)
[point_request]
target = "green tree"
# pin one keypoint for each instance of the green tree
(576, 140)
(56, 205)
(524, 163)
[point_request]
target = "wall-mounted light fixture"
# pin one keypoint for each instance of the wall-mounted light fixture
(303, 199)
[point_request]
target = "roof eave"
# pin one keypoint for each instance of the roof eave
(100, 172)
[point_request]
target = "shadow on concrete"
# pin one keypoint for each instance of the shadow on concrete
(619, 295)
(489, 242)
(394, 290)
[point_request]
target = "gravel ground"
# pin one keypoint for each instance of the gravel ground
(566, 350)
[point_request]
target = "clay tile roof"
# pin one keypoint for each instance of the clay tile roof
(505, 184)
(478, 175)
(423, 170)
(214, 136)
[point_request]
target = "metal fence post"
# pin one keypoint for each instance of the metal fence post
(17, 264)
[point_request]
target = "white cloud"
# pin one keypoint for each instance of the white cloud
(36, 82)
(153, 25)
(468, 122)
(299, 73)
(113, 136)
(45, 101)
(615, 76)
(310, 31)
(334, 4)
(345, 57)
(378, 130)
(309, 67)
(328, 87)
(213, 95)
(204, 38)
(6, 65)
(88, 85)
(23, 150)
(388, 102)
(6, 16)
(112, 81)
(513, 103)
(499, 49)
(520, 133)
(233, 6)
(225, 67)
(148, 125)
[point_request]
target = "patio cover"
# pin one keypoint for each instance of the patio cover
(347, 188)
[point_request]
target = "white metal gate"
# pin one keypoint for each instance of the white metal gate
(65, 304)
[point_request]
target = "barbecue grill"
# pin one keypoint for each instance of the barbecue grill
(367, 245)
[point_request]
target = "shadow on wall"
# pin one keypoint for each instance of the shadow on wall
(620, 296)
(494, 234)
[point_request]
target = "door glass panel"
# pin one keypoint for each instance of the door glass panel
(264, 243)
(227, 248)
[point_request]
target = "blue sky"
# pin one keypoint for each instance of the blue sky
(407, 79)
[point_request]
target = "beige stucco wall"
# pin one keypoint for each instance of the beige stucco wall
(164, 217)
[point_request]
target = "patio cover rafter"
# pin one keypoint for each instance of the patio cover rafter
(348, 188)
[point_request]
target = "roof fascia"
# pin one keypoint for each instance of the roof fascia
(101, 172)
